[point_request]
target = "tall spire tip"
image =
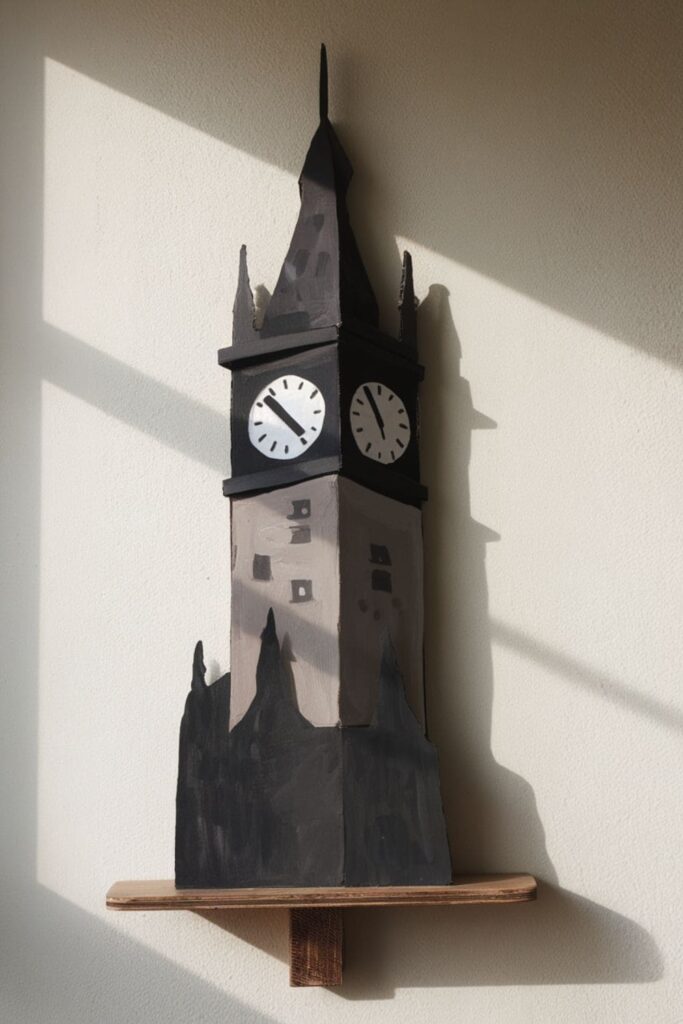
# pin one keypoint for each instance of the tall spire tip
(323, 82)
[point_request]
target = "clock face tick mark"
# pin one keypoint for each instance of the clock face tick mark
(262, 437)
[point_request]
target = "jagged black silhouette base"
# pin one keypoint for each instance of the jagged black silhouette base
(277, 801)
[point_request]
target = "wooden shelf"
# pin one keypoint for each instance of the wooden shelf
(163, 895)
(315, 914)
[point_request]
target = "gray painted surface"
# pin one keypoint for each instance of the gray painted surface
(308, 629)
(288, 556)
(372, 529)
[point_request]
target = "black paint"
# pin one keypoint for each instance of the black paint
(394, 828)
(243, 311)
(407, 305)
(335, 370)
(323, 279)
(278, 801)
(260, 805)
(203, 791)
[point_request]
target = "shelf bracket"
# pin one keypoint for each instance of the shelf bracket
(315, 946)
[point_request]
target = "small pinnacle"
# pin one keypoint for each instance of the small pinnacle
(198, 668)
(407, 304)
(243, 307)
(269, 631)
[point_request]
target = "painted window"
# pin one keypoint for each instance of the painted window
(300, 535)
(379, 554)
(322, 264)
(302, 590)
(301, 509)
(300, 261)
(381, 580)
(261, 568)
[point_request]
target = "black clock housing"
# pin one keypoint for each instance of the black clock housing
(337, 368)
(320, 366)
(360, 362)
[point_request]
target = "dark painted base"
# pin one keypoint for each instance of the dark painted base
(279, 802)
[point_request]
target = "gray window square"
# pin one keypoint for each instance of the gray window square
(261, 568)
(302, 590)
(381, 580)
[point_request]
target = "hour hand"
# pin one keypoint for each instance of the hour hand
(280, 411)
(373, 405)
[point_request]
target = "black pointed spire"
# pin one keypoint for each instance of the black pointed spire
(323, 282)
(407, 304)
(198, 668)
(270, 633)
(323, 83)
(243, 308)
(270, 676)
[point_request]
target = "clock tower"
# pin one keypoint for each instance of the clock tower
(325, 488)
(317, 770)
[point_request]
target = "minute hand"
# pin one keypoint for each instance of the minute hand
(288, 420)
(373, 405)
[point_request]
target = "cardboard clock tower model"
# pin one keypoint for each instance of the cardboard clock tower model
(308, 765)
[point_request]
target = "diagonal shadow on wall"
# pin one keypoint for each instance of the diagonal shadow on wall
(549, 125)
(564, 939)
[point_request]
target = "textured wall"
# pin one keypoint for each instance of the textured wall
(530, 155)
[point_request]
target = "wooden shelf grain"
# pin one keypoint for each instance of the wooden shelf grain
(316, 927)
(163, 895)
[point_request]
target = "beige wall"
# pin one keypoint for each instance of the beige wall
(530, 156)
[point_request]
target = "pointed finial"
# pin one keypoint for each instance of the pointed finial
(407, 304)
(243, 309)
(198, 668)
(269, 632)
(323, 82)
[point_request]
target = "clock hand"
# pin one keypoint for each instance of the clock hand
(288, 420)
(373, 405)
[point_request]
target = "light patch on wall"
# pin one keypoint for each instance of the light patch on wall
(111, 695)
(143, 220)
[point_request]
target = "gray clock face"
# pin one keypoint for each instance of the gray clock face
(287, 417)
(379, 422)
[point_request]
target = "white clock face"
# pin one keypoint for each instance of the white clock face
(379, 422)
(287, 417)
